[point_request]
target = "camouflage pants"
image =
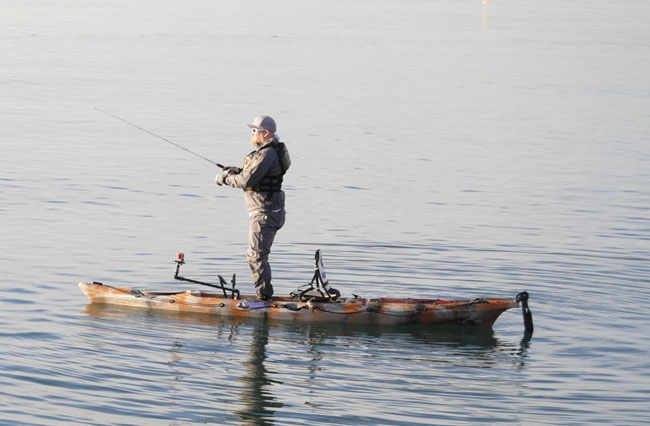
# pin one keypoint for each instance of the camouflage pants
(261, 232)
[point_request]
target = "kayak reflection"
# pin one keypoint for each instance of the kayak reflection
(249, 368)
(440, 335)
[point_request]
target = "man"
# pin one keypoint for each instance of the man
(261, 180)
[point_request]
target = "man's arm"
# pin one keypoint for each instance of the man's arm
(253, 172)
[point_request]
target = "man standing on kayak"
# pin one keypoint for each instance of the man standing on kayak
(261, 179)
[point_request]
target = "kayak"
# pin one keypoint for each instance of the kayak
(314, 304)
(382, 311)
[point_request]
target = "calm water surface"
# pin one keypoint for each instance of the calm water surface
(440, 149)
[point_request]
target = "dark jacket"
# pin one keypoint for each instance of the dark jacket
(258, 164)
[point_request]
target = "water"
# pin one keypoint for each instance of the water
(440, 149)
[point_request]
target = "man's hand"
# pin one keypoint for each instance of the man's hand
(232, 170)
(220, 179)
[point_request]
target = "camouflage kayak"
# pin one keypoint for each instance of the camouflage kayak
(384, 311)
(316, 302)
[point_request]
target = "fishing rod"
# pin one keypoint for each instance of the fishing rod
(160, 137)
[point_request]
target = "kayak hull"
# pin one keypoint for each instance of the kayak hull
(380, 311)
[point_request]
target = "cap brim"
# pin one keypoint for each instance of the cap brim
(252, 126)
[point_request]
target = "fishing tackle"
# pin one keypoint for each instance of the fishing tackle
(160, 137)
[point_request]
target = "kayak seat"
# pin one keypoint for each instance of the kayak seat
(318, 290)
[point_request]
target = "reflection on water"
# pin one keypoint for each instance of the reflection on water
(452, 336)
(247, 354)
(257, 399)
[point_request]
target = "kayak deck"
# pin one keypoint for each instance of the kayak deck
(380, 311)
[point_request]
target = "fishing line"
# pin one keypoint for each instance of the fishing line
(160, 137)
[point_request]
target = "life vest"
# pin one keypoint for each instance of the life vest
(274, 183)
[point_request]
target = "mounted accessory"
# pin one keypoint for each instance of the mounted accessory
(234, 293)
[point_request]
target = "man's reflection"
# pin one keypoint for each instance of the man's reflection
(259, 403)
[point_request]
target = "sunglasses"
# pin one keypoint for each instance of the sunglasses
(254, 130)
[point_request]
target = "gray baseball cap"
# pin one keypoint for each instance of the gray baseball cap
(263, 122)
